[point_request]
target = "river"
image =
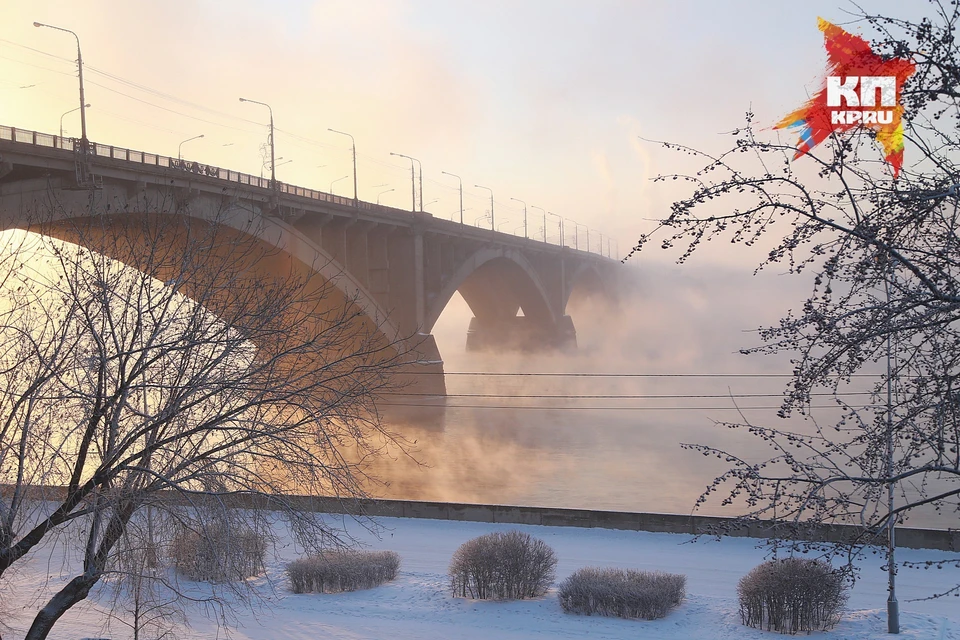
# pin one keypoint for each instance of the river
(603, 428)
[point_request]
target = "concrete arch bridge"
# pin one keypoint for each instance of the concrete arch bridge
(400, 267)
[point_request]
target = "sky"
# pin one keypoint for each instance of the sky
(542, 101)
(557, 104)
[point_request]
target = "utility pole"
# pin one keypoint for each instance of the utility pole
(273, 158)
(83, 102)
(524, 216)
(478, 186)
(560, 218)
(413, 181)
(353, 143)
(544, 220)
(576, 233)
(420, 166)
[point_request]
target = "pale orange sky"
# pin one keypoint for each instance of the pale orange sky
(541, 100)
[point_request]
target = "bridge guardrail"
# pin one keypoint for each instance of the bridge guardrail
(26, 136)
(36, 138)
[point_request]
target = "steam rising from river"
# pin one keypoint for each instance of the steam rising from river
(602, 453)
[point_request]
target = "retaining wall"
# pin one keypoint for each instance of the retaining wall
(944, 540)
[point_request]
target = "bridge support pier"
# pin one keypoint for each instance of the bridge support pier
(520, 333)
(423, 373)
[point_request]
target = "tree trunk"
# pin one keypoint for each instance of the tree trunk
(78, 588)
(75, 591)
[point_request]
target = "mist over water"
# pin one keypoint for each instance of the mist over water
(609, 453)
(602, 453)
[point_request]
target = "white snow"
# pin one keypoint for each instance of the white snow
(418, 605)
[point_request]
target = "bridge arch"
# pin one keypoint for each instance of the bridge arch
(274, 250)
(494, 282)
(585, 282)
(510, 302)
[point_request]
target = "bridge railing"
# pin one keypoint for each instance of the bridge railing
(26, 136)
(39, 139)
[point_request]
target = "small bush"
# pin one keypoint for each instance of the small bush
(622, 593)
(792, 595)
(218, 554)
(337, 571)
(502, 566)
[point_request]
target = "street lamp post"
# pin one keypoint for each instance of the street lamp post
(601, 240)
(560, 218)
(544, 220)
(576, 233)
(413, 180)
(83, 102)
(68, 113)
(893, 607)
(180, 147)
(383, 192)
(354, 147)
(460, 182)
(420, 169)
(524, 216)
(336, 181)
(273, 162)
(478, 186)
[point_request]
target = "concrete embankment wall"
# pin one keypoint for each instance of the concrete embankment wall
(944, 540)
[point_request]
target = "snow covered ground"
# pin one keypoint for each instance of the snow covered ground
(418, 605)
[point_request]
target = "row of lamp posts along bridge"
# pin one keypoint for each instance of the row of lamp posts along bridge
(614, 251)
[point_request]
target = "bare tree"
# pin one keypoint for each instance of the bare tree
(173, 359)
(883, 256)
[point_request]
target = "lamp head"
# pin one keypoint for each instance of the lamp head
(38, 24)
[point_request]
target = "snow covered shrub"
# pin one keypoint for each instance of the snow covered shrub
(336, 571)
(792, 595)
(502, 566)
(622, 593)
(218, 554)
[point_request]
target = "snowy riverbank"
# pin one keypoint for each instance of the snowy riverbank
(418, 606)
